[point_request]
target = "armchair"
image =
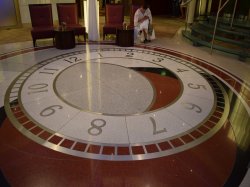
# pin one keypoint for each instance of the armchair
(68, 13)
(42, 21)
(114, 17)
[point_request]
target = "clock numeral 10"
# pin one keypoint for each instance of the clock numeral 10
(38, 88)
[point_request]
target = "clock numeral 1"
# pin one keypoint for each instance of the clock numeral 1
(37, 88)
(96, 127)
(50, 110)
(155, 131)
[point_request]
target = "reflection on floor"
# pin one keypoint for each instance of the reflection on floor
(59, 127)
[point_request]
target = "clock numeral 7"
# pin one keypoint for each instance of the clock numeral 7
(155, 131)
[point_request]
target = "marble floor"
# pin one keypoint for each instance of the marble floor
(164, 113)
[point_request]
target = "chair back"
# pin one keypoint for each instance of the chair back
(114, 13)
(133, 9)
(41, 15)
(68, 13)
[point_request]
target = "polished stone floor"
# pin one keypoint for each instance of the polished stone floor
(164, 113)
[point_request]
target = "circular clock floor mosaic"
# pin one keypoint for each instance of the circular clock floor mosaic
(123, 105)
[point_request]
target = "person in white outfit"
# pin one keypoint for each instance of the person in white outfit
(142, 19)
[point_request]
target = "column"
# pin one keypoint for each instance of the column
(92, 25)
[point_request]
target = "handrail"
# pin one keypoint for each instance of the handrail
(216, 21)
(233, 13)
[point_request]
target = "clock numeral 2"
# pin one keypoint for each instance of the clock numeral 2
(72, 59)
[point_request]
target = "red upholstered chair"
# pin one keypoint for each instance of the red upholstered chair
(68, 13)
(42, 21)
(114, 17)
(133, 9)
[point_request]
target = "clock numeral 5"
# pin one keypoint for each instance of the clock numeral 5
(197, 86)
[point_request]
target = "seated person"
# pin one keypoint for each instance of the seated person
(142, 19)
(183, 8)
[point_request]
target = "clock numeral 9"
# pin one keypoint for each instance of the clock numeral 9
(50, 110)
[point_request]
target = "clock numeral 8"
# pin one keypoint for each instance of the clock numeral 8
(96, 128)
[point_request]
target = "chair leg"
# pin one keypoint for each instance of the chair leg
(34, 42)
(84, 36)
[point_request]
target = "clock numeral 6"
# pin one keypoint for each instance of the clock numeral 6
(191, 106)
